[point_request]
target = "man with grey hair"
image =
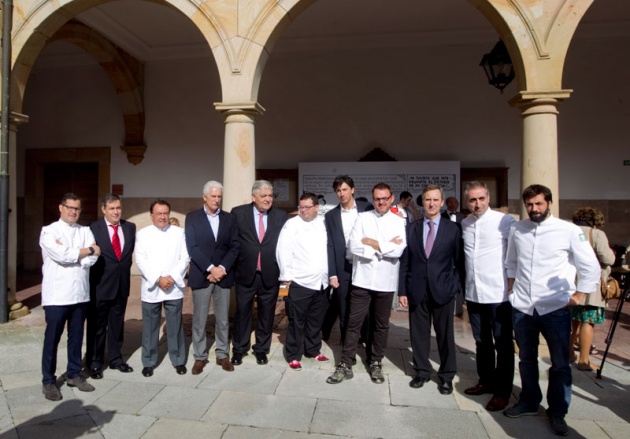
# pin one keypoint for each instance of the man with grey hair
(257, 272)
(485, 234)
(213, 246)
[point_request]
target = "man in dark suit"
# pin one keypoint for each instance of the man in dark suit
(339, 222)
(451, 211)
(257, 271)
(213, 246)
(109, 288)
(430, 270)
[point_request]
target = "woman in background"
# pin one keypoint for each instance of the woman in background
(586, 316)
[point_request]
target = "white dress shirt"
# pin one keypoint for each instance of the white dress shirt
(544, 259)
(371, 269)
(485, 245)
(65, 278)
(348, 218)
(161, 253)
(302, 253)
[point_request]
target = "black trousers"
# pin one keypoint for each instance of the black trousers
(420, 318)
(266, 298)
(305, 310)
(105, 321)
(362, 301)
(491, 325)
(339, 306)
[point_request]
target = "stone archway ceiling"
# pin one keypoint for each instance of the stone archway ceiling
(126, 74)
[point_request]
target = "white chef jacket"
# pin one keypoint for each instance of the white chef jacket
(485, 245)
(65, 278)
(544, 259)
(373, 270)
(161, 253)
(302, 253)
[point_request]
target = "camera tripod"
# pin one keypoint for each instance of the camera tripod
(624, 279)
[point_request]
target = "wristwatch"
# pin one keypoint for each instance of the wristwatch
(91, 249)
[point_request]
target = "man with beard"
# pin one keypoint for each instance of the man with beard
(543, 257)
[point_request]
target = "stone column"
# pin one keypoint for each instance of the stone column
(539, 160)
(239, 160)
(16, 309)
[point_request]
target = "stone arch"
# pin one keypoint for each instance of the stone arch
(536, 38)
(36, 26)
(124, 71)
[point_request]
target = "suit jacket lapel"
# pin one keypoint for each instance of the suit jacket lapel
(420, 238)
(102, 235)
(338, 226)
(252, 222)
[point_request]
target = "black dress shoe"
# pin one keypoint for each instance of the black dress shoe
(147, 372)
(123, 367)
(418, 382)
(446, 388)
(478, 389)
(261, 358)
(181, 369)
(237, 359)
(96, 373)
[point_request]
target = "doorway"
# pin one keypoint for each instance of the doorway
(50, 173)
(80, 178)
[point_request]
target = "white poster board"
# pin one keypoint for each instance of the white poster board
(317, 177)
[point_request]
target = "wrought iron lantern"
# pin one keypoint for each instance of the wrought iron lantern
(498, 66)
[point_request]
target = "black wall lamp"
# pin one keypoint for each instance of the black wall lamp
(498, 66)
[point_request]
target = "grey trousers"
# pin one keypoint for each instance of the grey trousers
(151, 319)
(201, 306)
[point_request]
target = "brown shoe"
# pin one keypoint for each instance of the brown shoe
(225, 364)
(198, 366)
(478, 389)
(496, 403)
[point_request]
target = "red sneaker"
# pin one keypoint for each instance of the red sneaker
(295, 365)
(321, 358)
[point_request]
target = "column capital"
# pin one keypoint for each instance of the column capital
(251, 108)
(16, 119)
(528, 99)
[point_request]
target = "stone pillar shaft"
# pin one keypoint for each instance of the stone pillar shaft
(539, 161)
(239, 161)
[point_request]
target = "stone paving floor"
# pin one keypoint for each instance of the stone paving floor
(274, 401)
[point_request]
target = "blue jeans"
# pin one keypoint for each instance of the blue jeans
(56, 318)
(556, 328)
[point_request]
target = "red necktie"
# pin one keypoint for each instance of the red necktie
(116, 242)
(261, 235)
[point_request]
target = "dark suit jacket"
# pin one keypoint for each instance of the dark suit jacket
(250, 247)
(108, 275)
(338, 265)
(205, 250)
(439, 275)
(458, 216)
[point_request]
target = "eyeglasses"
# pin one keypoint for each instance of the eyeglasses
(378, 200)
(72, 209)
(305, 207)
